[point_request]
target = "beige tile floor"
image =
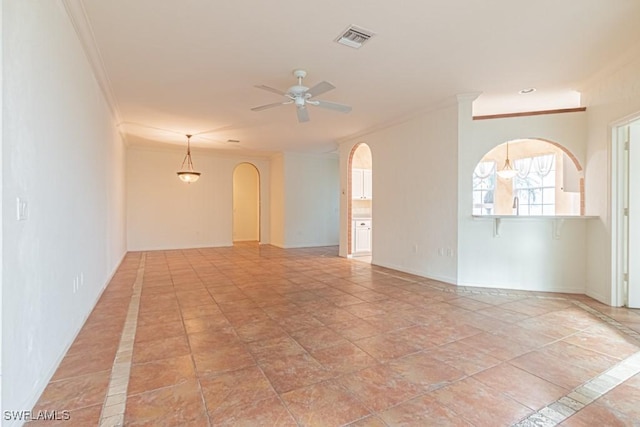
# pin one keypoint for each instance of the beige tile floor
(256, 335)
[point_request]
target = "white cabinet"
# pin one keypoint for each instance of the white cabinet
(361, 236)
(361, 184)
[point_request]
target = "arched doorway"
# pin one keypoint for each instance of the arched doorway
(246, 203)
(360, 224)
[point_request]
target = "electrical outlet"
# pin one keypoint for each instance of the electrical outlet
(415, 248)
(450, 252)
(440, 251)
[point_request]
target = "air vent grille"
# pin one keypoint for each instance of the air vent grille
(354, 36)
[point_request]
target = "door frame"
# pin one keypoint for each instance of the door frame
(619, 135)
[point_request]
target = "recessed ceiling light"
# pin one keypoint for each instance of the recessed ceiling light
(528, 90)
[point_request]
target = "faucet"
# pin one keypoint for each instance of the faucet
(516, 205)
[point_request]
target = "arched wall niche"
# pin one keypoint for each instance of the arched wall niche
(541, 191)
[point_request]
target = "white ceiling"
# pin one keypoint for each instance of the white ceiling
(173, 67)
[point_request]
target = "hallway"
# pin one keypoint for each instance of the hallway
(257, 335)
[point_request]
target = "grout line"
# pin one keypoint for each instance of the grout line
(571, 403)
(114, 405)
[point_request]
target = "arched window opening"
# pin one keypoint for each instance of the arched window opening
(547, 180)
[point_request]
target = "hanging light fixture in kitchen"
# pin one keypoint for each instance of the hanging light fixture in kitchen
(507, 171)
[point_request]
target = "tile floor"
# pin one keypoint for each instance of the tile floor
(263, 336)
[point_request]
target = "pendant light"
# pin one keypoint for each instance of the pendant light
(507, 171)
(188, 175)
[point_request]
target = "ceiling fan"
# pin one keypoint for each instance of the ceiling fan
(302, 96)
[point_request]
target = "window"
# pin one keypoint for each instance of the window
(535, 185)
(484, 181)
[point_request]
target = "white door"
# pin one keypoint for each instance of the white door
(633, 239)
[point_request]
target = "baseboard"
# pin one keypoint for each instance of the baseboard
(558, 289)
(178, 248)
(598, 297)
(445, 279)
(33, 399)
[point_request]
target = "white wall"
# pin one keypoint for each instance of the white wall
(414, 194)
(1, 198)
(166, 213)
(609, 100)
(62, 154)
(277, 187)
(526, 255)
(311, 200)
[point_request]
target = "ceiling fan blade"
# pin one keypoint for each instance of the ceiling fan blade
(330, 105)
(320, 88)
(275, 104)
(303, 114)
(270, 89)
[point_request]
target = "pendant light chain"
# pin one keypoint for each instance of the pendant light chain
(188, 175)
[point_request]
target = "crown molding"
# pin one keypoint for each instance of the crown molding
(440, 105)
(80, 21)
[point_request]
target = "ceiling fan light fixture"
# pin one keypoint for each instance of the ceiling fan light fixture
(187, 174)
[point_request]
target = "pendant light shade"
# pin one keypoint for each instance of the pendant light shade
(507, 171)
(187, 174)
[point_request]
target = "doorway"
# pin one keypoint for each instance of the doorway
(246, 203)
(626, 213)
(360, 224)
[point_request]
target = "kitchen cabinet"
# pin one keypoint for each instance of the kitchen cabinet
(361, 184)
(361, 236)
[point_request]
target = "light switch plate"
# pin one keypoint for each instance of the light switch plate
(22, 209)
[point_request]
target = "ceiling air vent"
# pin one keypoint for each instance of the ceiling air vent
(354, 36)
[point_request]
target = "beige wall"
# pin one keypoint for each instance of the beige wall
(414, 183)
(526, 255)
(63, 154)
(166, 213)
(609, 100)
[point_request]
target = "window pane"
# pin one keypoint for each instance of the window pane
(549, 180)
(549, 195)
(477, 197)
(535, 195)
(483, 185)
(535, 210)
